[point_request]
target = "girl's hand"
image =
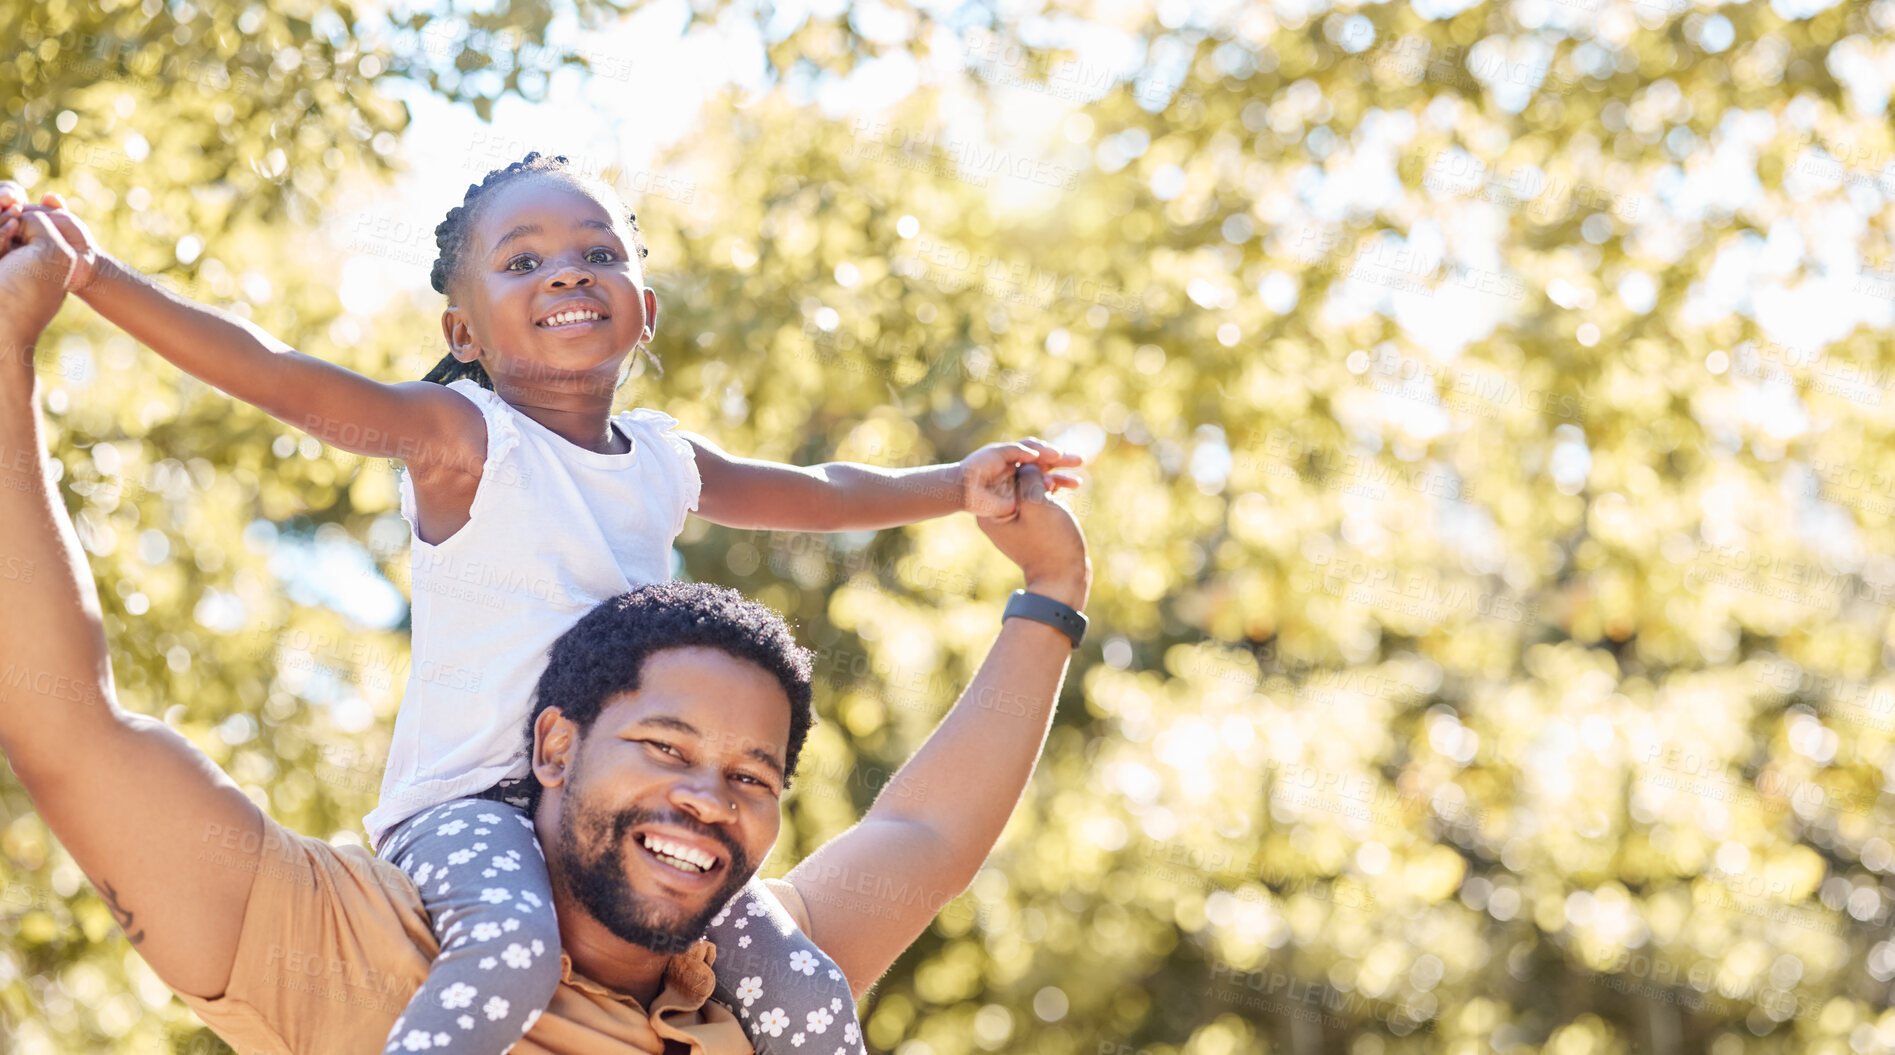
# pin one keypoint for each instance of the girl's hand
(71, 229)
(988, 475)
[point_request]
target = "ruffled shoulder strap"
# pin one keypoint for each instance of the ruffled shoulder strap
(658, 431)
(503, 433)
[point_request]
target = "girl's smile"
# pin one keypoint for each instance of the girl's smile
(574, 315)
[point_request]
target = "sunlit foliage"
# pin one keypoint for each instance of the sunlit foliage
(1483, 406)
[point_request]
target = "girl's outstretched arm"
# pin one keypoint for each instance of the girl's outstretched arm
(419, 422)
(846, 496)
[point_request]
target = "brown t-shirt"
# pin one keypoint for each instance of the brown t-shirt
(335, 941)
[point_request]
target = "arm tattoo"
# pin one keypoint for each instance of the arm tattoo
(120, 913)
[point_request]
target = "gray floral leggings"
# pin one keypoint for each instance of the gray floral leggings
(480, 872)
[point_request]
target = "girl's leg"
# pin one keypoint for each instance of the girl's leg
(480, 873)
(789, 995)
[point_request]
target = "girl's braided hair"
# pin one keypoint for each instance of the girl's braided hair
(450, 237)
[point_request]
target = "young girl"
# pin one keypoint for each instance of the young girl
(530, 503)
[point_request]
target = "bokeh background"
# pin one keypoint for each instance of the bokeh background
(1487, 410)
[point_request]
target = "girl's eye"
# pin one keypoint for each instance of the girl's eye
(608, 255)
(514, 264)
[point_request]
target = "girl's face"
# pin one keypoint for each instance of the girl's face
(551, 294)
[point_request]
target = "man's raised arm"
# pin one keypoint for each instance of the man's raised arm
(872, 890)
(136, 805)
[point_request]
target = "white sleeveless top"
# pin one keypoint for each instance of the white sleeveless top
(554, 529)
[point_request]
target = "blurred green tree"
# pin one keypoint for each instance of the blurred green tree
(1493, 603)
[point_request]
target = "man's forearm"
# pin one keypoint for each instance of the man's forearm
(965, 781)
(52, 646)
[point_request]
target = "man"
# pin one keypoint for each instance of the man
(284, 943)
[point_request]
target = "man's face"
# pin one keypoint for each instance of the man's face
(682, 774)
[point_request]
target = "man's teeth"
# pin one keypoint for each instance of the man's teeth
(564, 317)
(680, 855)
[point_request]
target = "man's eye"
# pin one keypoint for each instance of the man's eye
(514, 264)
(759, 783)
(662, 746)
(607, 254)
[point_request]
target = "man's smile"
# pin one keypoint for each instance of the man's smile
(682, 860)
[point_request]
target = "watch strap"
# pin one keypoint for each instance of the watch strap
(1042, 609)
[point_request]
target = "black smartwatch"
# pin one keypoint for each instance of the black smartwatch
(1061, 617)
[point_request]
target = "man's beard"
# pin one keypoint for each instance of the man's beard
(590, 855)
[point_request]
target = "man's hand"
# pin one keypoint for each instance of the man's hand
(987, 475)
(78, 237)
(33, 276)
(1045, 541)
